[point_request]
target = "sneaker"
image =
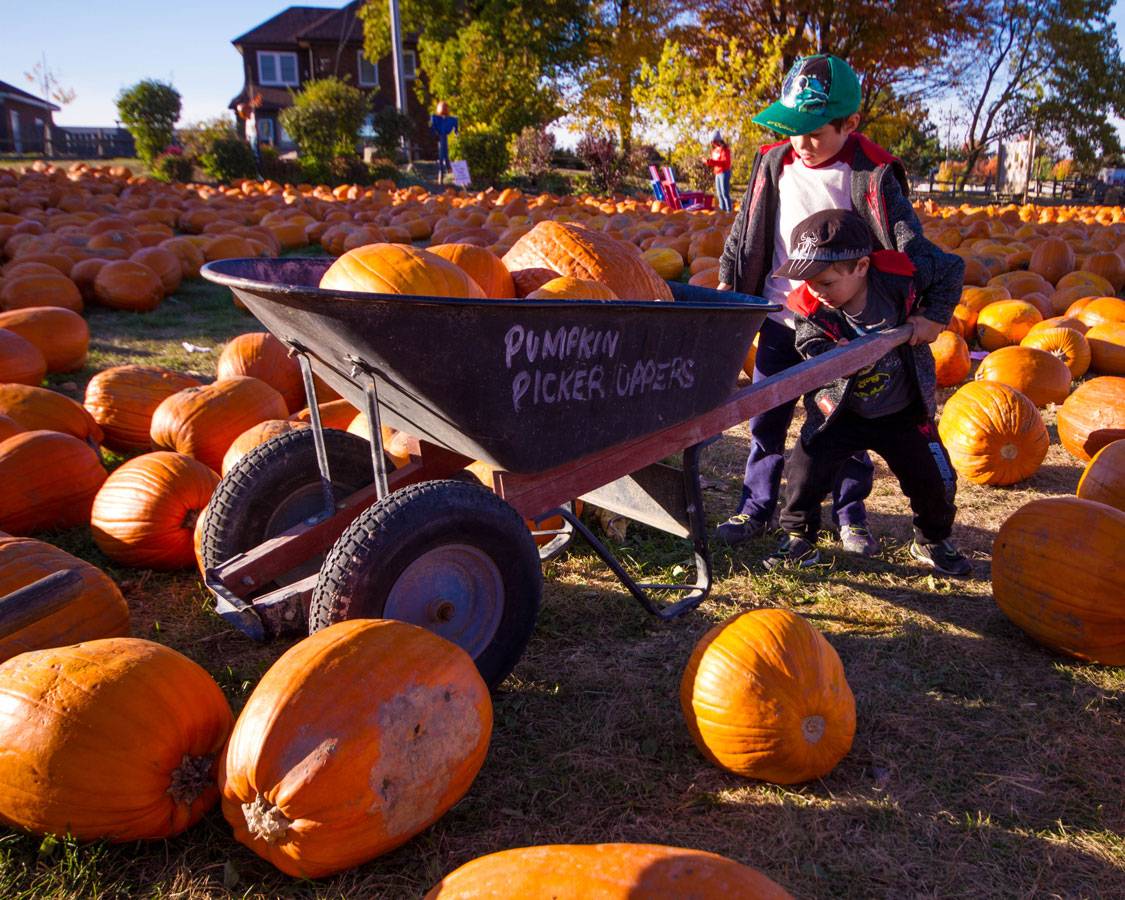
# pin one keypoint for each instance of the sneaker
(793, 550)
(739, 528)
(858, 540)
(943, 556)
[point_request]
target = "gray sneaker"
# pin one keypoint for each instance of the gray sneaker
(793, 550)
(943, 556)
(739, 528)
(858, 540)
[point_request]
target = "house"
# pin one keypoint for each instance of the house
(303, 43)
(23, 120)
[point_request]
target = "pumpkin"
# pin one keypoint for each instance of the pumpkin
(1052, 258)
(333, 414)
(1057, 572)
(764, 695)
(567, 288)
(1037, 374)
(1101, 310)
(255, 435)
(1064, 299)
(190, 256)
(399, 269)
(1104, 477)
(40, 290)
(951, 358)
(40, 408)
(166, 264)
(605, 872)
(566, 248)
(993, 433)
(357, 738)
(261, 355)
(129, 285)
(9, 426)
(1066, 344)
(50, 480)
(708, 278)
(1107, 348)
(666, 261)
(483, 266)
(964, 322)
(977, 298)
(117, 740)
(122, 400)
(83, 275)
(62, 336)
(1088, 279)
(144, 514)
(1093, 416)
(1108, 265)
(1060, 322)
(21, 362)
(1005, 322)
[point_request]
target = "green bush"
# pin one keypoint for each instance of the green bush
(283, 171)
(149, 110)
(384, 168)
(172, 166)
(390, 127)
(486, 152)
(229, 158)
(325, 120)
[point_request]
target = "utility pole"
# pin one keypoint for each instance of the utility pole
(1030, 162)
(396, 58)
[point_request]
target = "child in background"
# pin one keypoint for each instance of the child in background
(719, 162)
(849, 289)
(442, 125)
(822, 164)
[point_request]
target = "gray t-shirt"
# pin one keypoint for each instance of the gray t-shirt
(885, 386)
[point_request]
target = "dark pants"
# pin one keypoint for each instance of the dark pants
(762, 481)
(722, 190)
(908, 440)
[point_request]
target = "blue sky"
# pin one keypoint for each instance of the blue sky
(97, 49)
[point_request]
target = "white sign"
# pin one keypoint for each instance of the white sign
(461, 172)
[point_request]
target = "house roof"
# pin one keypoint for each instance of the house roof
(10, 91)
(339, 25)
(272, 97)
(287, 26)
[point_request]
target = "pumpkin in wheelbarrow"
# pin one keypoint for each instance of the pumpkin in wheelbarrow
(399, 269)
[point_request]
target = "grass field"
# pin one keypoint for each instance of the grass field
(984, 766)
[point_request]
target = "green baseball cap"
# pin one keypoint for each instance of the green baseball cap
(817, 90)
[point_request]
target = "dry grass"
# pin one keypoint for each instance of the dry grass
(983, 764)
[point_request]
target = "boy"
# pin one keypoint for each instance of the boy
(823, 164)
(850, 289)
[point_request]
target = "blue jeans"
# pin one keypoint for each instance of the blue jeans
(722, 190)
(762, 481)
(443, 156)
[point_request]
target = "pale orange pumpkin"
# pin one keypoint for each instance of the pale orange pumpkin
(764, 695)
(1067, 344)
(951, 358)
(1040, 376)
(993, 433)
(399, 269)
(567, 288)
(1103, 479)
(1093, 416)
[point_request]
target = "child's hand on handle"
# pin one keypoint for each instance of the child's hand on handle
(723, 286)
(926, 331)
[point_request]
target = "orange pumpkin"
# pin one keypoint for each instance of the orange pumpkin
(993, 433)
(977, 298)
(566, 248)
(144, 514)
(202, 422)
(255, 435)
(1066, 344)
(605, 872)
(259, 354)
(1005, 322)
(21, 362)
(62, 336)
(409, 712)
(333, 414)
(122, 400)
(399, 269)
(1052, 258)
(1108, 265)
(1103, 480)
(118, 739)
(1107, 348)
(483, 266)
(1060, 322)
(9, 426)
(50, 480)
(764, 695)
(166, 264)
(40, 290)
(1093, 416)
(951, 358)
(1040, 376)
(567, 288)
(98, 612)
(1057, 572)
(1101, 310)
(126, 284)
(190, 256)
(83, 275)
(40, 408)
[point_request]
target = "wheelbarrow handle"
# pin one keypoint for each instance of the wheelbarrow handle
(35, 601)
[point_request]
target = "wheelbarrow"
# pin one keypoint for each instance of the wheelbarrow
(563, 399)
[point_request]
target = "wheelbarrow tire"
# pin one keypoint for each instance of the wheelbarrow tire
(275, 486)
(445, 555)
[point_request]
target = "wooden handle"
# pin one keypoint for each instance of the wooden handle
(38, 600)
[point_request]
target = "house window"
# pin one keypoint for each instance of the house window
(277, 68)
(409, 64)
(368, 71)
(265, 131)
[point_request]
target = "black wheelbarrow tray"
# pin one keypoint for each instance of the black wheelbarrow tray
(563, 399)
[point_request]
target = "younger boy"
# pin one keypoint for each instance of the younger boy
(850, 289)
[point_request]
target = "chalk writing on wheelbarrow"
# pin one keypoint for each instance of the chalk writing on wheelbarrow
(595, 370)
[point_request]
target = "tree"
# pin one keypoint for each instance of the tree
(325, 119)
(149, 110)
(49, 89)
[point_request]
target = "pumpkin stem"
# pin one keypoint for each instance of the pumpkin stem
(1009, 451)
(264, 822)
(812, 727)
(191, 519)
(190, 778)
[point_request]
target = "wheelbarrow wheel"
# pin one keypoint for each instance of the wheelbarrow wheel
(445, 555)
(275, 486)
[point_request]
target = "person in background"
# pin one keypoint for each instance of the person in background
(442, 125)
(848, 288)
(719, 161)
(821, 164)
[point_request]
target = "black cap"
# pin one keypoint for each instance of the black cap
(824, 238)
